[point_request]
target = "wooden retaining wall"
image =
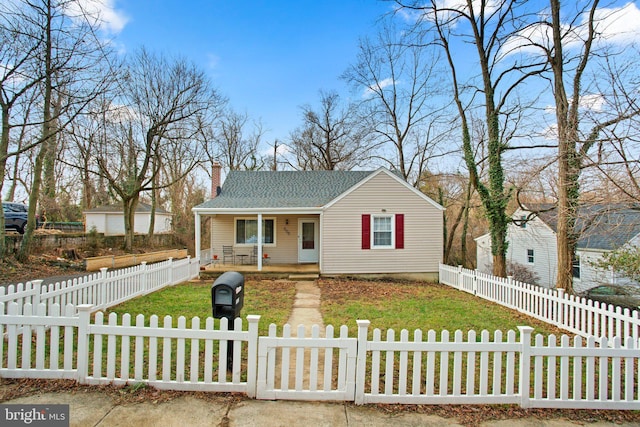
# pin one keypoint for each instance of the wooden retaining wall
(110, 261)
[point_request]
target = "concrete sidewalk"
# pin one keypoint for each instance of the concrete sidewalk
(96, 409)
(93, 408)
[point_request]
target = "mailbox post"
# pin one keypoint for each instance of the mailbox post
(227, 299)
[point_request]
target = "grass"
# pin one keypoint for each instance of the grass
(387, 305)
(417, 306)
(268, 298)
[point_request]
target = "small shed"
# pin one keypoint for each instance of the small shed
(109, 219)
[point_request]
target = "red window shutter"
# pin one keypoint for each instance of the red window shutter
(366, 231)
(399, 231)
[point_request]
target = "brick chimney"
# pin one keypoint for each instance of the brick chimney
(215, 179)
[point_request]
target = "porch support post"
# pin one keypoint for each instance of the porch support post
(197, 236)
(259, 242)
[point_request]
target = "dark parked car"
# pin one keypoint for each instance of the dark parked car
(15, 216)
(624, 296)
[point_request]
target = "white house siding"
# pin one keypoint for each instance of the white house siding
(95, 220)
(539, 237)
(342, 231)
(484, 259)
(285, 250)
(112, 223)
(590, 276)
(536, 236)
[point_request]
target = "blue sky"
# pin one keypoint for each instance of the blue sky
(267, 57)
(271, 57)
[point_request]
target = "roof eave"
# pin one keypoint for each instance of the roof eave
(245, 211)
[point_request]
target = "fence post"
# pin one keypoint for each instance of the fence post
(103, 287)
(84, 317)
(170, 271)
(189, 267)
(475, 282)
(361, 360)
(252, 355)
(559, 309)
(460, 280)
(143, 269)
(525, 366)
(510, 292)
(37, 285)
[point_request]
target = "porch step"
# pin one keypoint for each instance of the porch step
(303, 276)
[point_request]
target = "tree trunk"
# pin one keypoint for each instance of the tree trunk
(4, 147)
(27, 238)
(129, 210)
(465, 227)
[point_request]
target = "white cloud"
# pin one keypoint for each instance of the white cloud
(593, 102)
(377, 86)
(619, 26)
(106, 16)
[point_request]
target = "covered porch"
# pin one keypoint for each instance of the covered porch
(266, 241)
(218, 267)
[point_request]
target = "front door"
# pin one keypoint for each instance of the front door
(308, 240)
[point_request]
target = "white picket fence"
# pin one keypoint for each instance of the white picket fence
(575, 314)
(594, 373)
(102, 290)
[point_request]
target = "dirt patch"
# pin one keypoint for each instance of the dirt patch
(57, 262)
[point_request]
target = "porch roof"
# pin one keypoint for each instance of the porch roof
(282, 189)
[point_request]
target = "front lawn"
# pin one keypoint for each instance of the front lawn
(387, 305)
(272, 299)
(417, 306)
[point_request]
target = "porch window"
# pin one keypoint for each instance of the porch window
(247, 231)
(382, 231)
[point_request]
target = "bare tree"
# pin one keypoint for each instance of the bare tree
(489, 26)
(51, 56)
(163, 100)
(236, 141)
(569, 68)
(330, 138)
(396, 78)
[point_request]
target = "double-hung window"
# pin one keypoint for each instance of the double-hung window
(530, 257)
(382, 231)
(247, 231)
(576, 267)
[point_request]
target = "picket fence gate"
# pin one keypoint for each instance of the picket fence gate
(471, 368)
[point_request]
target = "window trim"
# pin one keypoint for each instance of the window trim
(392, 244)
(573, 267)
(253, 218)
(531, 256)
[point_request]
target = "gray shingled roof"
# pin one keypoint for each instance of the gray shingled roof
(605, 227)
(282, 189)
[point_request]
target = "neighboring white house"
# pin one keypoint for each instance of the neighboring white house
(109, 219)
(532, 243)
